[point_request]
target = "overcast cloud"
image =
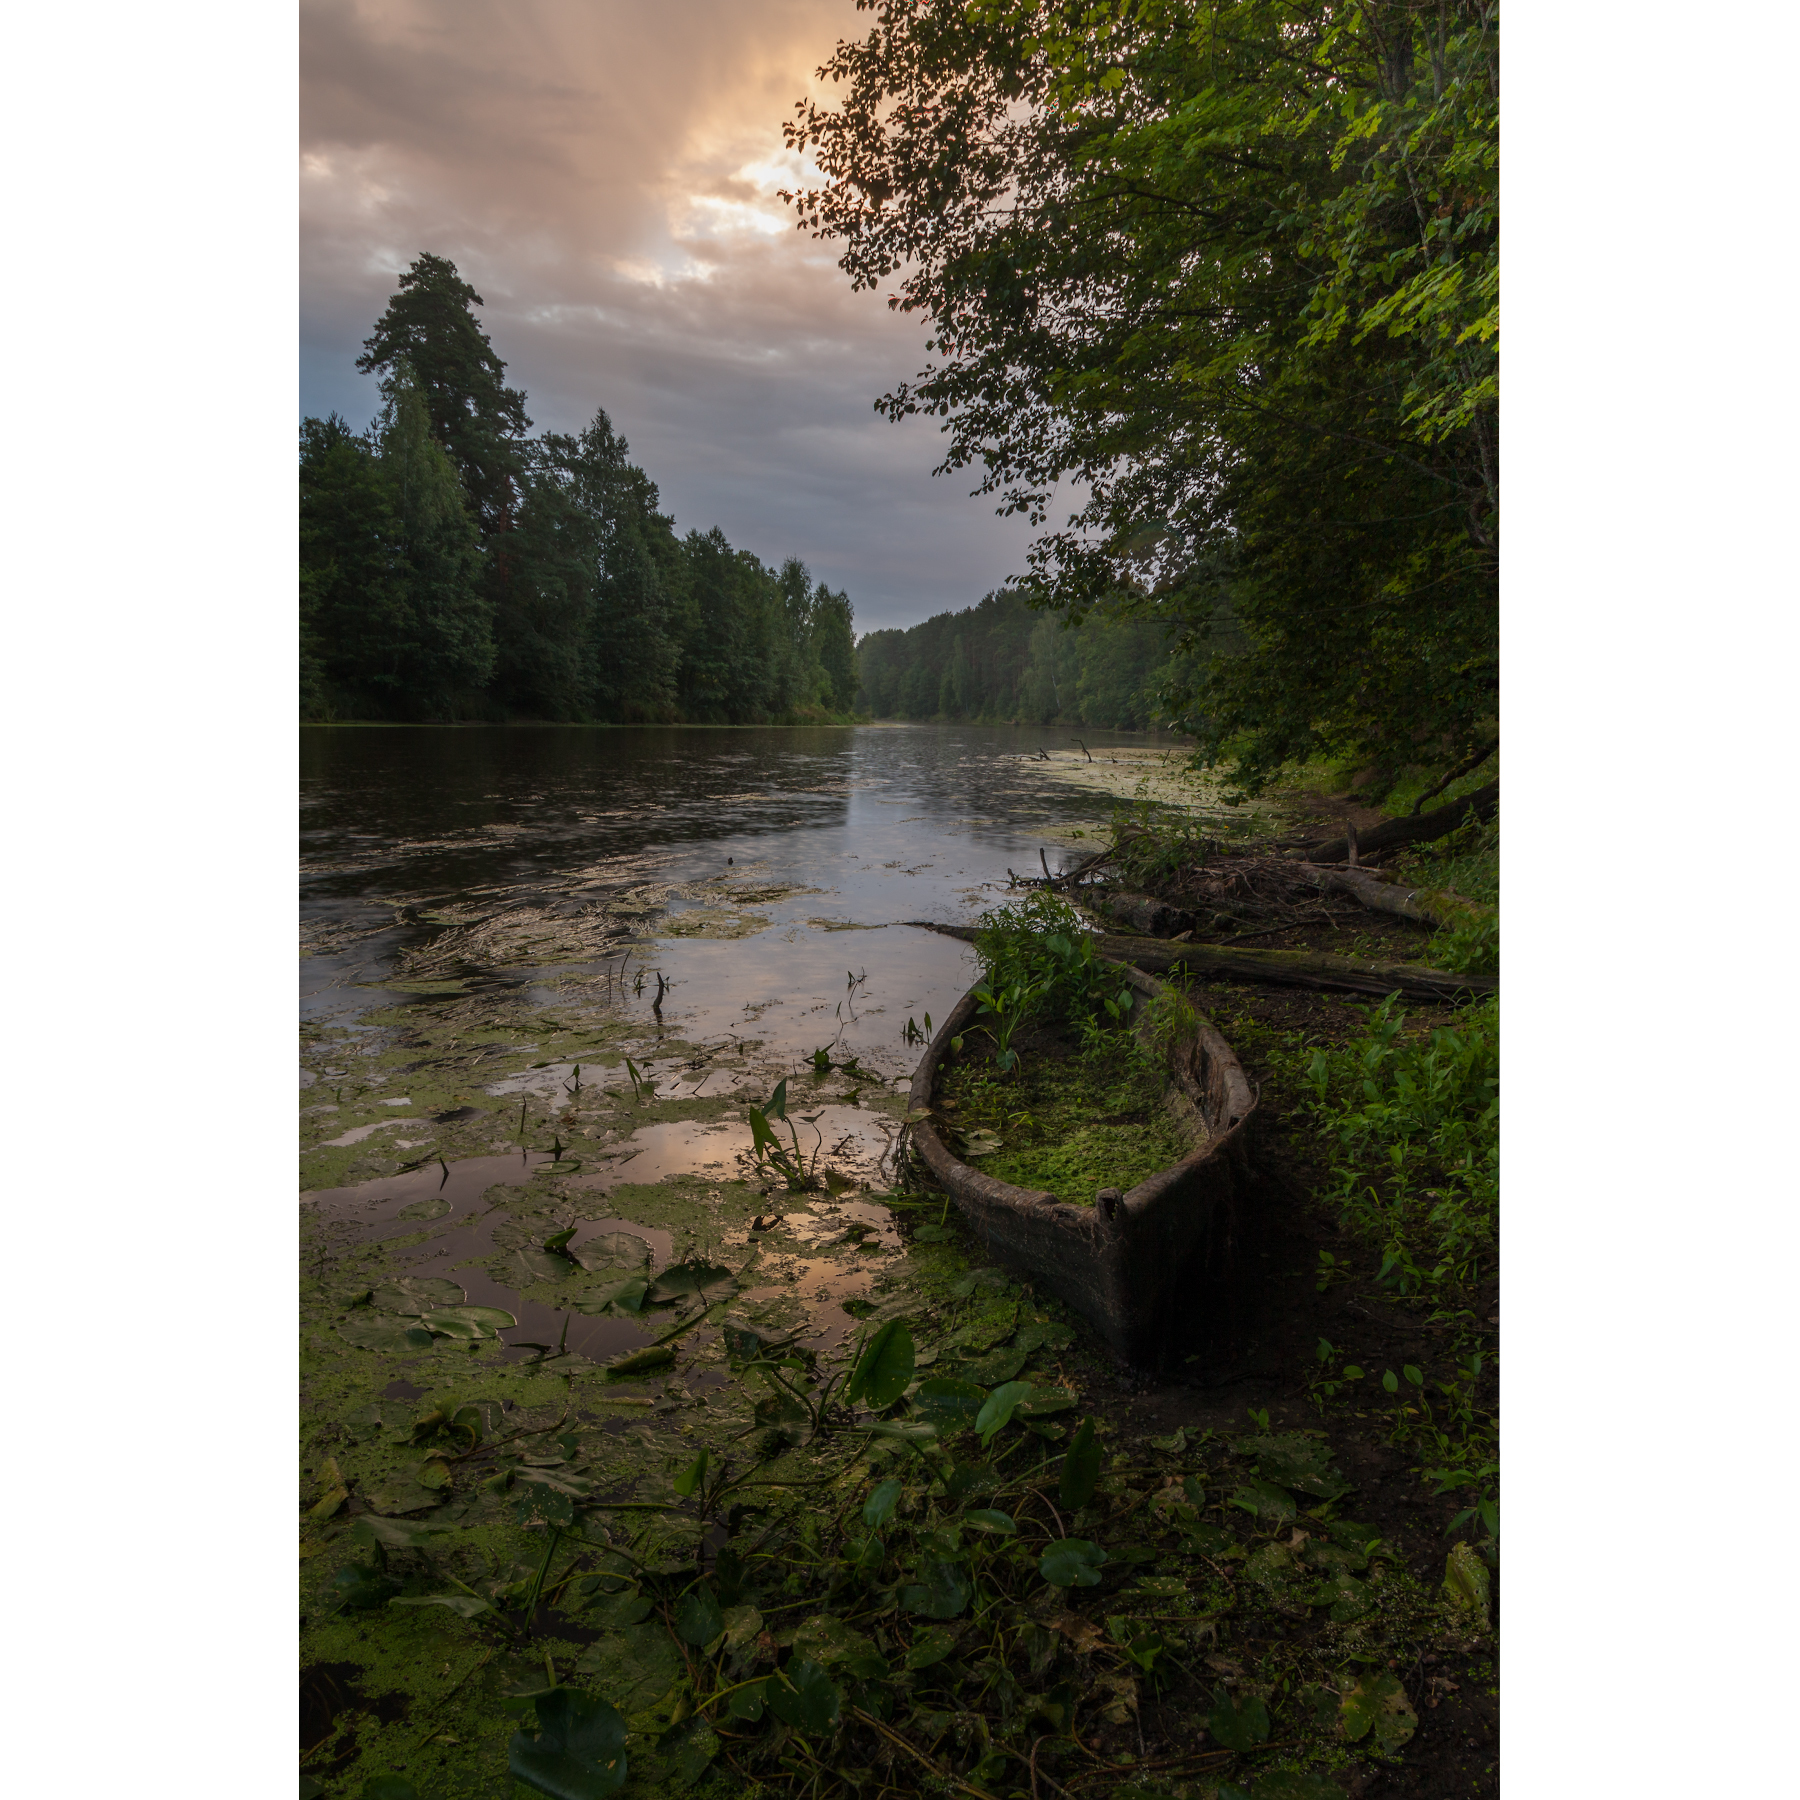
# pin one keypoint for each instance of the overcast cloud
(604, 172)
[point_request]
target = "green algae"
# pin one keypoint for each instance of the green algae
(1069, 1124)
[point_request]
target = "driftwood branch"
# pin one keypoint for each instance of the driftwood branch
(1367, 887)
(1424, 829)
(1282, 968)
(1456, 774)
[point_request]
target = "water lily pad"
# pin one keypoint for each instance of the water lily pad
(951, 1402)
(379, 1331)
(1072, 1562)
(1466, 1582)
(986, 1519)
(1296, 1461)
(422, 1211)
(414, 1294)
(578, 1752)
(1080, 1468)
(618, 1299)
(611, 1249)
(468, 1321)
(941, 1592)
(1237, 1725)
(933, 1234)
(826, 1639)
(1377, 1708)
(1264, 1500)
(633, 1668)
(879, 1507)
(697, 1617)
(804, 1696)
(996, 1367)
(689, 1749)
(712, 1281)
(930, 1646)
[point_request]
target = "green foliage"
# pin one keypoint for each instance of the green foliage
(1231, 265)
(1038, 956)
(883, 1370)
(1000, 660)
(1416, 1137)
(430, 329)
(578, 1752)
(453, 566)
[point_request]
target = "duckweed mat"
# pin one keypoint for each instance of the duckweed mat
(1066, 1120)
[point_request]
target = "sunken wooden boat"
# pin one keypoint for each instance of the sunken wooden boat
(1135, 1262)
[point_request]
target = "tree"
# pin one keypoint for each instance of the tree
(834, 647)
(440, 642)
(430, 325)
(1229, 264)
(353, 594)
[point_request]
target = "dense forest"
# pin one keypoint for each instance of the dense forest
(1229, 268)
(453, 567)
(1002, 661)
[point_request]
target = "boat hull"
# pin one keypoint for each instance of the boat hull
(1135, 1264)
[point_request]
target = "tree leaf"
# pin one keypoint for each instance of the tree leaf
(1080, 1469)
(692, 1476)
(1072, 1562)
(997, 1410)
(884, 1369)
(578, 1752)
(803, 1695)
(634, 1362)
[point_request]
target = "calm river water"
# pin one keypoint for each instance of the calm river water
(873, 824)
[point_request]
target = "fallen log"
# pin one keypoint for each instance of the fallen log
(1280, 968)
(1424, 829)
(1368, 887)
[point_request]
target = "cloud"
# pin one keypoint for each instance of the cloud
(605, 173)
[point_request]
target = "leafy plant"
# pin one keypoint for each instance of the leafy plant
(770, 1155)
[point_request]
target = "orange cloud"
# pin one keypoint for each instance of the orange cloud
(605, 173)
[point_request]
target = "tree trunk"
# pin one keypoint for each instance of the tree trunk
(1372, 891)
(1282, 968)
(1426, 828)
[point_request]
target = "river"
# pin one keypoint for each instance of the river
(495, 919)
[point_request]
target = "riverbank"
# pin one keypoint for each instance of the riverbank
(521, 1120)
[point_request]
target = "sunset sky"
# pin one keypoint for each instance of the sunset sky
(605, 172)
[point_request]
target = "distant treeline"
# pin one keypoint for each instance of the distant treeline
(1002, 661)
(452, 567)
